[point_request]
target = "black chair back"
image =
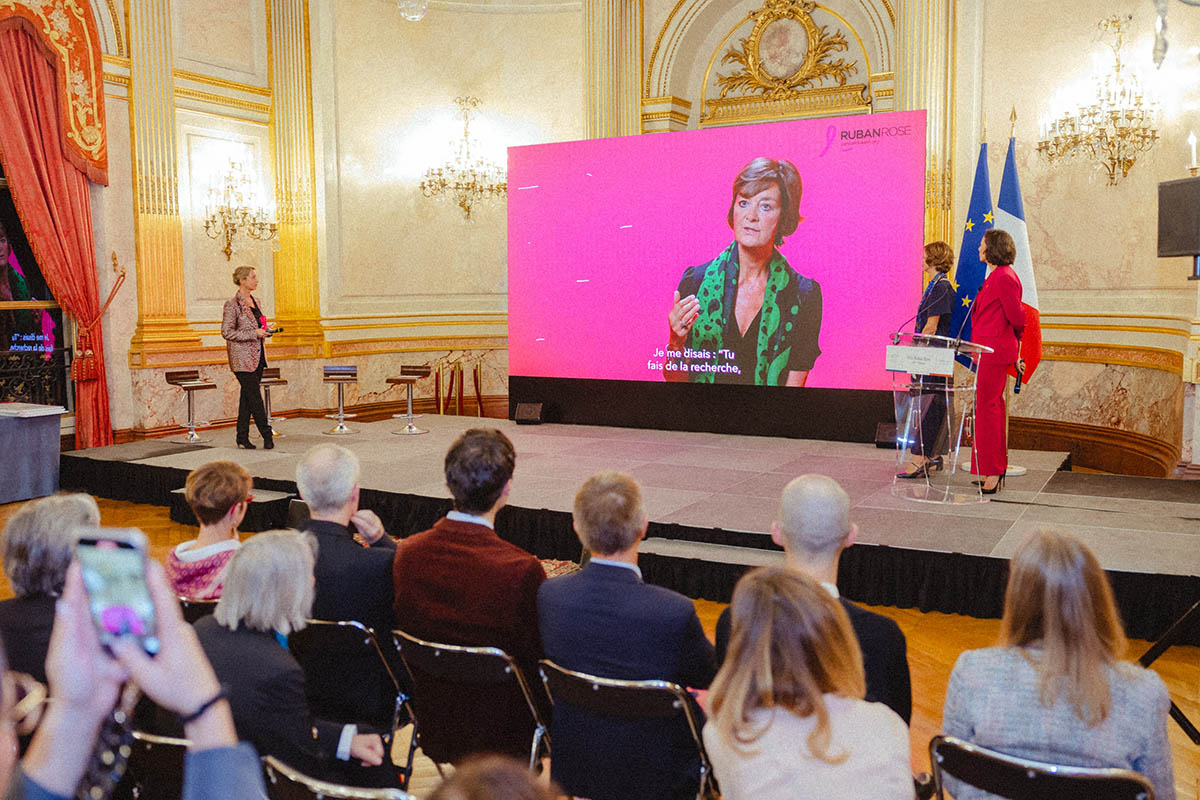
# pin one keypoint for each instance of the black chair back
(471, 666)
(195, 609)
(336, 654)
(629, 700)
(285, 783)
(1023, 779)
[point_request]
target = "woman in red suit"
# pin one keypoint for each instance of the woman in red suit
(997, 321)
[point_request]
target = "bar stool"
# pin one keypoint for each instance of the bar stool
(270, 377)
(408, 376)
(341, 376)
(190, 381)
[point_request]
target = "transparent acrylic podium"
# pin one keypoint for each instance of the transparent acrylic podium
(932, 404)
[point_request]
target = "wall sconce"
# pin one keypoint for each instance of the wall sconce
(232, 207)
(1114, 127)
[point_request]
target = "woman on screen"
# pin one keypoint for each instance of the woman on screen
(747, 316)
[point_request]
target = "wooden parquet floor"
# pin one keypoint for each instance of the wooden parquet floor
(934, 643)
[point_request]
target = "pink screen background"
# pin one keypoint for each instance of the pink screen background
(600, 231)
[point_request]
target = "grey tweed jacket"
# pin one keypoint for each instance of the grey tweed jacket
(992, 701)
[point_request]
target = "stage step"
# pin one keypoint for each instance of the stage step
(720, 553)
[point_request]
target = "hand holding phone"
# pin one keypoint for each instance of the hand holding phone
(113, 564)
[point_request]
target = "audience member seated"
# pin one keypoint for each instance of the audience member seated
(218, 494)
(786, 707)
(268, 594)
(1056, 688)
(605, 621)
(493, 778)
(813, 528)
(38, 544)
(460, 583)
(85, 683)
(353, 581)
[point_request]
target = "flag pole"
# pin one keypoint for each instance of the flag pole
(1013, 470)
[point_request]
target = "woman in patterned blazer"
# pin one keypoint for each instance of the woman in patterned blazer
(245, 328)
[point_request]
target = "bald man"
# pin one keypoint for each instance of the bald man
(813, 527)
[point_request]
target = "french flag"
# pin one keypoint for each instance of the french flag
(1010, 216)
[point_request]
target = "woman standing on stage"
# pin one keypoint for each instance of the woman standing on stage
(933, 318)
(245, 328)
(997, 321)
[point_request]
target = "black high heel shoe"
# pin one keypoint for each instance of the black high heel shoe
(999, 485)
(933, 464)
(246, 444)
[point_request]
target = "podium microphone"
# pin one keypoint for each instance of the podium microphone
(899, 332)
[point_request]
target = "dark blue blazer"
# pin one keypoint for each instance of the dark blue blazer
(884, 652)
(605, 621)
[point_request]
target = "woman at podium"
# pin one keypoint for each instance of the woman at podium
(997, 321)
(933, 317)
(747, 316)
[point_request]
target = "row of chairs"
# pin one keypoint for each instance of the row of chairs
(1003, 775)
(191, 381)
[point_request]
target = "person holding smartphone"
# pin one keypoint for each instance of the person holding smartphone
(85, 682)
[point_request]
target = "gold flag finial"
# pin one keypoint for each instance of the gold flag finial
(1012, 130)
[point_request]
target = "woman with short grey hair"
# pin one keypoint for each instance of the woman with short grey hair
(268, 593)
(37, 547)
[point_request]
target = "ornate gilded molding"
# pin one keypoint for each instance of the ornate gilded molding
(1117, 354)
(773, 61)
(67, 30)
(813, 102)
(257, 109)
(782, 64)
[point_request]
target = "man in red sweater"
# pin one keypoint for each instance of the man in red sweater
(460, 583)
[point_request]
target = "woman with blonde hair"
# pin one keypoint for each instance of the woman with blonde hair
(268, 593)
(1057, 687)
(245, 329)
(787, 718)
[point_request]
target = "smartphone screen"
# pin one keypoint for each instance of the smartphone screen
(114, 572)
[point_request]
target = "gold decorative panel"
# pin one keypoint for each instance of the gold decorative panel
(67, 29)
(788, 66)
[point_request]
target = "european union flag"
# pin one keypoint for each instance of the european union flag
(969, 274)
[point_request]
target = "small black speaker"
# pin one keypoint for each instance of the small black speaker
(1179, 218)
(885, 436)
(528, 414)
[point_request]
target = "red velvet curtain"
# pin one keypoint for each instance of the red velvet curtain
(51, 196)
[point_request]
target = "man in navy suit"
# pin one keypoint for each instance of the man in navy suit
(353, 580)
(605, 621)
(813, 529)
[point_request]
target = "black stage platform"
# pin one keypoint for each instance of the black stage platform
(711, 498)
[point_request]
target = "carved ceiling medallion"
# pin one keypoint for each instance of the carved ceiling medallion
(785, 52)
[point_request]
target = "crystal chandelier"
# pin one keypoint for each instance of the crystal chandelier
(1160, 29)
(465, 179)
(232, 208)
(413, 10)
(1114, 127)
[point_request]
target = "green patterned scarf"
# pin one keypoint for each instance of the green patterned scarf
(717, 292)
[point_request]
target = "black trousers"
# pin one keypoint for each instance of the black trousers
(933, 416)
(250, 403)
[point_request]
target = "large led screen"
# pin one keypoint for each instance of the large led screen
(776, 254)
